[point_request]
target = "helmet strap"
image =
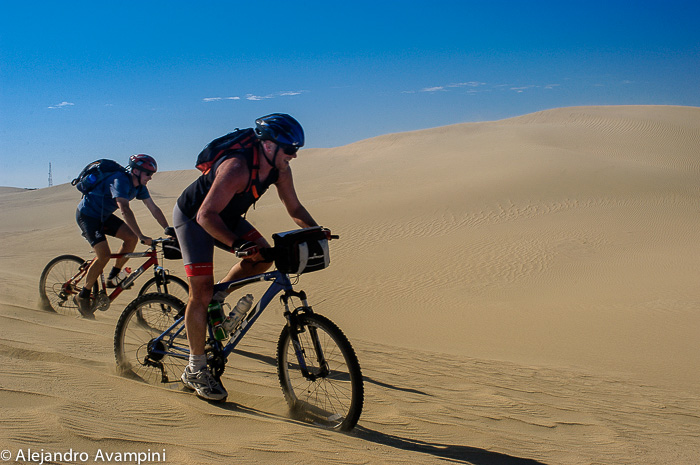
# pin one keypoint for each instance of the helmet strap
(137, 177)
(274, 157)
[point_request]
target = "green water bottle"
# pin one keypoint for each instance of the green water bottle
(216, 319)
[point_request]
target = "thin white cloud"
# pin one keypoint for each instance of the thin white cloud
(467, 84)
(472, 85)
(522, 89)
(253, 97)
(256, 98)
(61, 105)
(216, 99)
(433, 89)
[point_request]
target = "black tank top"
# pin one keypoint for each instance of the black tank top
(192, 197)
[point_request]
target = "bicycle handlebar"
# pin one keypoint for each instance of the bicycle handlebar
(268, 252)
(162, 239)
(156, 241)
(169, 231)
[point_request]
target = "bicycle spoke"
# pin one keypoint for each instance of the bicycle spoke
(331, 394)
(60, 282)
(143, 348)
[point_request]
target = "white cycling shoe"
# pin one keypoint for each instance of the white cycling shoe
(204, 384)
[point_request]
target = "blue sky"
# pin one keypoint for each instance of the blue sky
(85, 80)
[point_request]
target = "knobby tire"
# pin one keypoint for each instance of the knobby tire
(333, 401)
(52, 292)
(176, 287)
(138, 355)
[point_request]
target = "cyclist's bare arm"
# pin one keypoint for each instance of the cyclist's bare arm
(231, 178)
(156, 212)
(130, 219)
(290, 200)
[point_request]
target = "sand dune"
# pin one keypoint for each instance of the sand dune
(517, 291)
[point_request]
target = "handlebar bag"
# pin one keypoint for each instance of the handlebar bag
(171, 250)
(301, 250)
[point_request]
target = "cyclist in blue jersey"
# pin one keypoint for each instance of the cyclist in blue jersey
(210, 212)
(95, 216)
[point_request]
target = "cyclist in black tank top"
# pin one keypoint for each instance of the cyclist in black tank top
(211, 212)
(193, 196)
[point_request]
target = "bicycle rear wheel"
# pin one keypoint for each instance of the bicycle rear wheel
(330, 392)
(142, 347)
(60, 281)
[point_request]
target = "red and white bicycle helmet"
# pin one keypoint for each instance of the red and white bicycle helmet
(143, 162)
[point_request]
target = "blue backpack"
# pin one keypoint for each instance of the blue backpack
(95, 173)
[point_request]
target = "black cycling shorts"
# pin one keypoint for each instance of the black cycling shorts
(94, 230)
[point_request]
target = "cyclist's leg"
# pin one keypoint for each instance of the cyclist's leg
(93, 231)
(201, 290)
(197, 248)
(102, 256)
(197, 375)
(116, 227)
(248, 267)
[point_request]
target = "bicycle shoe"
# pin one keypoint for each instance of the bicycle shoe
(204, 384)
(85, 307)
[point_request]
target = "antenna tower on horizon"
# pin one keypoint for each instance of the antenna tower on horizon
(50, 178)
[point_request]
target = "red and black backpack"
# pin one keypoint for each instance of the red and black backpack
(239, 139)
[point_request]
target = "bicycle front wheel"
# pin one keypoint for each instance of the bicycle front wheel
(148, 345)
(172, 285)
(321, 378)
(60, 282)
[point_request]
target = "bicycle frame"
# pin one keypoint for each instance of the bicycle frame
(280, 282)
(152, 260)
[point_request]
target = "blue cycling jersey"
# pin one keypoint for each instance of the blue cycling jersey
(101, 201)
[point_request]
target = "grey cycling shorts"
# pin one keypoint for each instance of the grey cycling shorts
(197, 245)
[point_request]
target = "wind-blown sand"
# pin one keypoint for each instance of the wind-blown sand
(518, 291)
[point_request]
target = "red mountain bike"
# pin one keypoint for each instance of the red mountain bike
(62, 279)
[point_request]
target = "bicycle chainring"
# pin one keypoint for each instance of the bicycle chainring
(102, 301)
(215, 360)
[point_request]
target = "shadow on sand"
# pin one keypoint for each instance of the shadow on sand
(451, 452)
(272, 361)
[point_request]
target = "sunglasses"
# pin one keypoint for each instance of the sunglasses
(289, 149)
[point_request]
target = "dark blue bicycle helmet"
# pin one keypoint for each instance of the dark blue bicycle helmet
(281, 129)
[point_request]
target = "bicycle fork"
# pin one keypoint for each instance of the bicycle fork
(296, 328)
